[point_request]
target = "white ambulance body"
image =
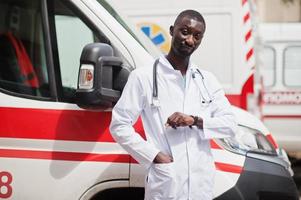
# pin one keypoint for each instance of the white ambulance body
(281, 71)
(52, 149)
(227, 49)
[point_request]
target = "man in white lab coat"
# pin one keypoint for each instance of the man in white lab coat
(182, 108)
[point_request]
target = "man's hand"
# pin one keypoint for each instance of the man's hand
(162, 158)
(179, 119)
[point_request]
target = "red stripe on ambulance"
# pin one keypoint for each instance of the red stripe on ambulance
(241, 100)
(91, 157)
(48, 124)
(249, 54)
(228, 167)
(248, 35)
(244, 1)
(214, 145)
(246, 17)
(69, 125)
(67, 156)
(272, 140)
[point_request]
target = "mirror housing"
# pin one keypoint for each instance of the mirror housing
(101, 77)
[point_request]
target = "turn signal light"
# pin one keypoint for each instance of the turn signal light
(86, 76)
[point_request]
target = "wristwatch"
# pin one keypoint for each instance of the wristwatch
(197, 121)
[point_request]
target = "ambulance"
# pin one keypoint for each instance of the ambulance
(63, 65)
(281, 72)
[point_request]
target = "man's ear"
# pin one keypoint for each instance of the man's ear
(171, 30)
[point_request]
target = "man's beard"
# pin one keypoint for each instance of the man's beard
(183, 52)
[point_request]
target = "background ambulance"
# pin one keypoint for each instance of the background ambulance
(50, 148)
(280, 67)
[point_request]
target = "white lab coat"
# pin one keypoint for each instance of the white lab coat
(191, 174)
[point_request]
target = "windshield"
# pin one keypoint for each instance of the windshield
(132, 29)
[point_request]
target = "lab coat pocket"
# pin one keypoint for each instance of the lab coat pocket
(161, 183)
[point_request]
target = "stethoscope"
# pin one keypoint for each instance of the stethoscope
(156, 103)
(204, 100)
(194, 72)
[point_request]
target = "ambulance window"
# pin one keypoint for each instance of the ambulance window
(72, 35)
(23, 68)
(292, 66)
(119, 19)
(269, 66)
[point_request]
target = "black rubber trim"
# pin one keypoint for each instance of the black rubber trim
(262, 180)
(47, 23)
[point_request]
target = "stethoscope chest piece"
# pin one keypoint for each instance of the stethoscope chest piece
(198, 77)
(155, 102)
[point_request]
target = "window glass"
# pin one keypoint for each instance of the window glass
(23, 68)
(72, 35)
(292, 66)
(268, 69)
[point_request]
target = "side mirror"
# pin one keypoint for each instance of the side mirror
(101, 77)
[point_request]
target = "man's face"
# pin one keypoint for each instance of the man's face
(187, 35)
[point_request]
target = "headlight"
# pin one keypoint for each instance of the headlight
(247, 139)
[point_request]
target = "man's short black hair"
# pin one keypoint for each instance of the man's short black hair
(192, 14)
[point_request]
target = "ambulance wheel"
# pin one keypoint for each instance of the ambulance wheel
(120, 193)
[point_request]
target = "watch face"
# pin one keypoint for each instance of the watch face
(195, 120)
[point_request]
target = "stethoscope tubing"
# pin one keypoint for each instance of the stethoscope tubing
(155, 83)
(209, 96)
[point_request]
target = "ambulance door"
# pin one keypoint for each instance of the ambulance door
(280, 69)
(49, 147)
